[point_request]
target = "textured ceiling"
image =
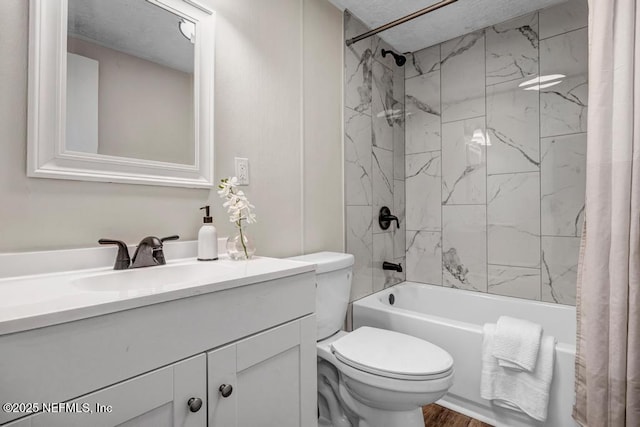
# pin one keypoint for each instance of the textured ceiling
(456, 19)
(135, 27)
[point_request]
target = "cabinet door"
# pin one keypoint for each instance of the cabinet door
(271, 378)
(157, 399)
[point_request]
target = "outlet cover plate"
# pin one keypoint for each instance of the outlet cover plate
(242, 170)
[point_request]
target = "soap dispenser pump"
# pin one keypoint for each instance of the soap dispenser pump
(207, 238)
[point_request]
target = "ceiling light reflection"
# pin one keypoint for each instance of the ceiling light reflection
(480, 138)
(542, 82)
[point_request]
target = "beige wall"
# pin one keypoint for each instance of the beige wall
(135, 119)
(323, 170)
(260, 114)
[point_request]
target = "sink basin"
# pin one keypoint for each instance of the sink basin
(152, 278)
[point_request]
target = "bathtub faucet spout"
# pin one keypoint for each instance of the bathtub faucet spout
(391, 266)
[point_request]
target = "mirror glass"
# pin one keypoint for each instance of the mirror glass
(130, 81)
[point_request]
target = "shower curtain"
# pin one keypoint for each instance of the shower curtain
(608, 303)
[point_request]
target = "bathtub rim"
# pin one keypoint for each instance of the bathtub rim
(374, 301)
(475, 294)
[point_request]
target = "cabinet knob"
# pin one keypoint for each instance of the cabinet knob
(225, 390)
(195, 403)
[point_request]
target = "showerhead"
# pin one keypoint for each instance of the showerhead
(400, 59)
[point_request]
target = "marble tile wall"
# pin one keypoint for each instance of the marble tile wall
(495, 166)
(374, 160)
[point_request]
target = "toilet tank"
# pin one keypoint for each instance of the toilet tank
(333, 286)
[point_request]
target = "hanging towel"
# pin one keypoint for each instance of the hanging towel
(517, 390)
(516, 343)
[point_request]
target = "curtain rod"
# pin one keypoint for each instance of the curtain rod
(400, 21)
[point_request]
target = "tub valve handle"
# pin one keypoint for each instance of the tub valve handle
(391, 266)
(385, 218)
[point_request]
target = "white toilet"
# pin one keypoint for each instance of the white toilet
(369, 377)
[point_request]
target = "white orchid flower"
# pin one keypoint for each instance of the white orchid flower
(237, 204)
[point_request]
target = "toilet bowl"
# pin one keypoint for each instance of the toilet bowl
(369, 377)
(384, 377)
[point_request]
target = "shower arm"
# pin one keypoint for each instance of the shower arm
(400, 21)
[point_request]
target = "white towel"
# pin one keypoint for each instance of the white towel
(517, 390)
(516, 343)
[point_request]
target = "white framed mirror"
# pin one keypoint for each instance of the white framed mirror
(121, 91)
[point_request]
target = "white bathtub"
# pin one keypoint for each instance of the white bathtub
(453, 319)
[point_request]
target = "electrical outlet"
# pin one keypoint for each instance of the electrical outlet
(242, 170)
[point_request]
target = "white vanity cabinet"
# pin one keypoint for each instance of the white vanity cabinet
(265, 380)
(149, 361)
(157, 399)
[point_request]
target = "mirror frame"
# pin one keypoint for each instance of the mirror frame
(46, 153)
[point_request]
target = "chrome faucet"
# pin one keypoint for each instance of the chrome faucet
(149, 252)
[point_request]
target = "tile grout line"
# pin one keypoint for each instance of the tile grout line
(441, 175)
(540, 157)
(459, 120)
(563, 134)
(559, 34)
(404, 162)
(423, 152)
(372, 208)
(511, 173)
(514, 266)
(486, 170)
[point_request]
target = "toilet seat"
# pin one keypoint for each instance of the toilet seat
(392, 355)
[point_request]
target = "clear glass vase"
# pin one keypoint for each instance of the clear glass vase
(240, 246)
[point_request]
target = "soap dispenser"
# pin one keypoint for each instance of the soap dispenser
(207, 239)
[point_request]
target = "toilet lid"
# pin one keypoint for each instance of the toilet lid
(392, 354)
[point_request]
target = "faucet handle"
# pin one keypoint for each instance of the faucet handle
(122, 259)
(385, 218)
(158, 253)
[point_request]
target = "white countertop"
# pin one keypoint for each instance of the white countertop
(40, 300)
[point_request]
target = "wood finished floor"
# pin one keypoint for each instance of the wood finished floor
(438, 416)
